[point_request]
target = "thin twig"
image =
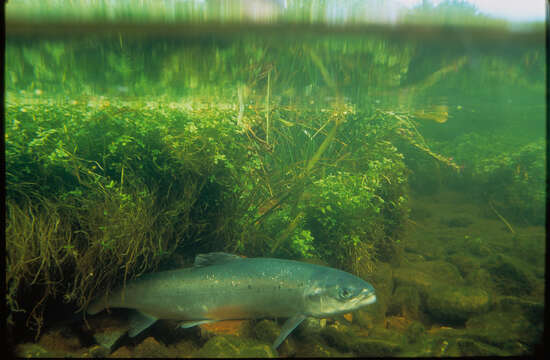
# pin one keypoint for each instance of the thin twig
(502, 218)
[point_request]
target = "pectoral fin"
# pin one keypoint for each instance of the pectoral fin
(288, 326)
(139, 322)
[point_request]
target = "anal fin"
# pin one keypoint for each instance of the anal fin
(288, 326)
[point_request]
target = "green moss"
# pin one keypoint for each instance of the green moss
(456, 304)
(232, 346)
(415, 331)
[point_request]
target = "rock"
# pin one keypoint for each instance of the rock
(233, 346)
(438, 341)
(455, 304)
(532, 310)
(32, 350)
(444, 347)
(311, 326)
(442, 341)
(398, 323)
(184, 348)
(219, 346)
(375, 348)
(61, 341)
(470, 347)
(405, 301)
(340, 337)
(442, 270)
(510, 275)
(366, 319)
(122, 352)
(506, 330)
(415, 332)
(380, 342)
(481, 278)
(150, 347)
(266, 331)
(439, 331)
(465, 264)
(452, 342)
(315, 347)
(97, 351)
(392, 335)
(229, 327)
(411, 257)
(424, 275)
(477, 246)
(346, 339)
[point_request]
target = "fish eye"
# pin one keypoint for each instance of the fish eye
(345, 293)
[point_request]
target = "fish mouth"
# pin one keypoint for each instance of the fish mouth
(370, 299)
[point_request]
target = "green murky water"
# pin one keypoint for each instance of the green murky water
(412, 156)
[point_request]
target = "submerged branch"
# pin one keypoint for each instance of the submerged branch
(501, 218)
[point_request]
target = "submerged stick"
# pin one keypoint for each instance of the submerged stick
(502, 218)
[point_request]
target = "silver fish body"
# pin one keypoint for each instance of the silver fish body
(226, 287)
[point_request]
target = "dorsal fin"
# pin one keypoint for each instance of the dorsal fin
(214, 258)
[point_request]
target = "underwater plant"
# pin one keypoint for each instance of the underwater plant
(504, 170)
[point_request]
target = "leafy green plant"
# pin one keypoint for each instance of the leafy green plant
(300, 241)
(343, 211)
(128, 193)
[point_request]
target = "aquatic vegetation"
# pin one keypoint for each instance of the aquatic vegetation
(82, 201)
(299, 240)
(358, 183)
(134, 183)
(37, 249)
(129, 154)
(507, 172)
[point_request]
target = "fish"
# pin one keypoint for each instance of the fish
(437, 113)
(222, 286)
